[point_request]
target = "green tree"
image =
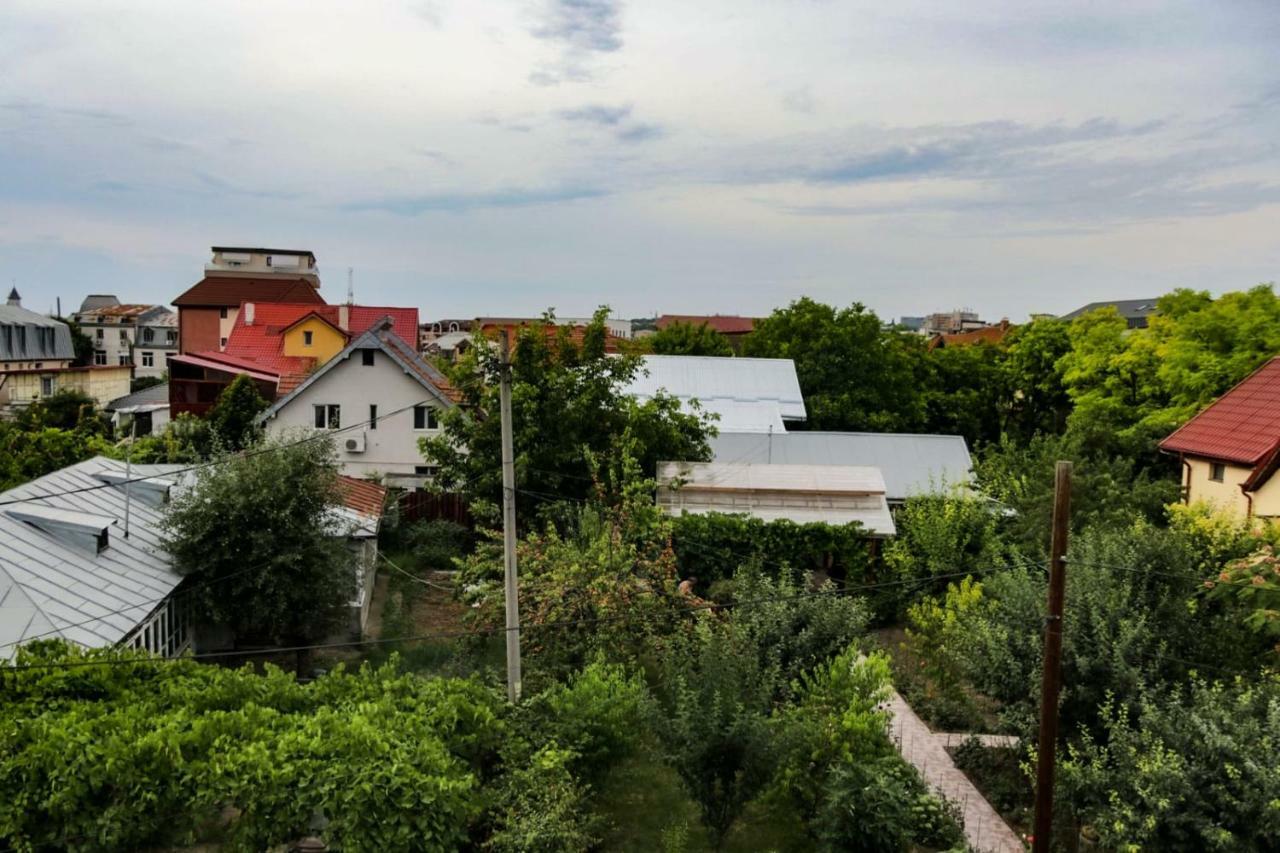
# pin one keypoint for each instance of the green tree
(690, 339)
(966, 394)
(26, 454)
(66, 409)
(1037, 399)
(234, 417)
(80, 342)
(256, 536)
(567, 409)
(854, 374)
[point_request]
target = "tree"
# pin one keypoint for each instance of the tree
(26, 454)
(690, 339)
(80, 342)
(142, 382)
(1037, 399)
(255, 536)
(234, 416)
(65, 409)
(568, 409)
(966, 394)
(854, 374)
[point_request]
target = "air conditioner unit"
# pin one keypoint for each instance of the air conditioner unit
(354, 443)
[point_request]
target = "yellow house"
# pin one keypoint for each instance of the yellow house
(1231, 450)
(312, 336)
(102, 383)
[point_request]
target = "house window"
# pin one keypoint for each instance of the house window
(46, 386)
(222, 312)
(373, 416)
(453, 327)
(222, 342)
(124, 334)
(170, 337)
(148, 359)
(306, 338)
(328, 416)
(99, 356)
(124, 360)
(100, 334)
(1217, 472)
(148, 335)
(367, 357)
(426, 470)
(424, 417)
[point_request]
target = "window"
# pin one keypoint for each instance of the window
(148, 359)
(424, 417)
(46, 386)
(328, 416)
(100, 334)
(170, 337)
(124, 360)
(39, 364)
(306, 338)
(99, 356)
(453, 327)
(373, 416)
(367, 357)
(222, 312)
(124, 334)
(1217, 472)
(425, 470)
(222, 342)
(148, 335)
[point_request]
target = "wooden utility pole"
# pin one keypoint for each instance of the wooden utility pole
(509, 525)
(1051, 686)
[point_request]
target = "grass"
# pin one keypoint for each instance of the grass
(647, 810)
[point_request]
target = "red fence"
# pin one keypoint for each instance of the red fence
(423, 505)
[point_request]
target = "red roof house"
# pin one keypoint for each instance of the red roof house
(1231, 448)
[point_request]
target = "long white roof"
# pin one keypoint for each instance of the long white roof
(749, 394)
(912, 464)
(53, 586)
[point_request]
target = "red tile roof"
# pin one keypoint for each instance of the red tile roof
(725, 324)
(363, 496)
(1242, 426)
(989, 335)
(224, 291)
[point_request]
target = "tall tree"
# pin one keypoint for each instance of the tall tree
(567, 408)
(690, 339)
(966, 393)
(234, 416)
(854, 374)
(1036, 397)
(255, 536)
(80, 342)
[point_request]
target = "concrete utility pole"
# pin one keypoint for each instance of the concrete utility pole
(509, 525)
(1051, 686)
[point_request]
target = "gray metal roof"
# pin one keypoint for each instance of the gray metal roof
(154, 394)
(749, 394)
(1128, 308)
(911, 464)
(52, 586)
(28, 336)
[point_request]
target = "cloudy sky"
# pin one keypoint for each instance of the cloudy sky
(716, 156)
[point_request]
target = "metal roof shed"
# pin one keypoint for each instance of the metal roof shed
(912, 464)
(800, 493)
(749, 394)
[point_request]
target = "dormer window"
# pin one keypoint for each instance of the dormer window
(306, 338)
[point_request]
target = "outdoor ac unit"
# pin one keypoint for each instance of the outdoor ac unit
(354, 443)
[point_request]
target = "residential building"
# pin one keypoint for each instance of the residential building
(142, 412)
(277, 344)
(379, 396)
(119, 331)
(359, 519)
(1136, 312)
(70, 569)
(911, 464)
(449, 345)
(37, 360)
(430, 332)
(491, 326)
(952, 322)
(755, 395)
(1231, 450)
(799, 493)
(207, 310)
(986, 335)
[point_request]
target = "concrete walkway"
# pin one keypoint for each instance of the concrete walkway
(985, 830)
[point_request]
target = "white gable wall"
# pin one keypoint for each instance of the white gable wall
(391, 447)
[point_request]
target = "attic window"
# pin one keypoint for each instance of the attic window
(306, 338)
(1217, 472)
(81, 530)
(367, 357)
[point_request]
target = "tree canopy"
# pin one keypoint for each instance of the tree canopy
(234, 417)
(689, 339)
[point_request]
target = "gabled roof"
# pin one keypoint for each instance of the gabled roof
(1241, 426)
(725, 324)
(227, 291)
(153, 394)
(50, 586)
(912, 464)
(388, 342)
(986, 335)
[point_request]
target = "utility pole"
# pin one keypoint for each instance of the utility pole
(509, 524)
(1051, 685)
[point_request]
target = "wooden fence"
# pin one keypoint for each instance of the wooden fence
(423, 505)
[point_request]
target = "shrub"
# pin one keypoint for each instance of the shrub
(599, 714)
(436, 544)
(544, 808)
(881, 805)
(712, 547)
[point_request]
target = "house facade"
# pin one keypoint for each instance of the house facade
(1230, 451)
(379, 397)
(140, 336)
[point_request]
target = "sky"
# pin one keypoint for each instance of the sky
(723, 156)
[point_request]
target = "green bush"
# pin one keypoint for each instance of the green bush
(544, 809)
(599, 714)
(713, 547)
(881, 805)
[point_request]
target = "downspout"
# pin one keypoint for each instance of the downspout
(1248, 497)
(1186, 489)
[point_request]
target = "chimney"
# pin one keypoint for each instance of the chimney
(14, 299)
(344, 317)
(248, 313)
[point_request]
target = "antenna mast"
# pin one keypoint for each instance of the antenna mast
(351, 288)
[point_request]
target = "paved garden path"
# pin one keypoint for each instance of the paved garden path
(985, 830)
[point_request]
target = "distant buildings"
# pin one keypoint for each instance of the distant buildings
(1136, 312)
(985, 335)
(951, 323)
(37, 358)
(141, 336)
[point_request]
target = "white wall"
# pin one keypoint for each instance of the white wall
(391, 448)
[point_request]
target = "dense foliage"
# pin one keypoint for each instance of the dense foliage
(688, 339)
(257, 537)
(233, 418)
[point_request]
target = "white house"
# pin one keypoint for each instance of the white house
(381, 396)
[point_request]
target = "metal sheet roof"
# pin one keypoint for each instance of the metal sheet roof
(28, 336)
(912, 464)
(51, 587)
(749, 394)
